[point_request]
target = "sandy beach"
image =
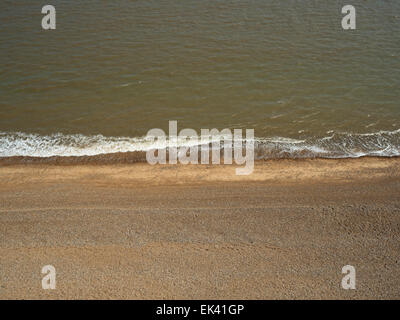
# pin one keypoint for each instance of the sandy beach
(135, 231)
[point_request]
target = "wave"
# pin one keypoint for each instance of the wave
(336, 145)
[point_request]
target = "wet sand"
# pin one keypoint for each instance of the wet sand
(135, 231)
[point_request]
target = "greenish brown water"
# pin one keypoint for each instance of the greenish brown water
(112, 70)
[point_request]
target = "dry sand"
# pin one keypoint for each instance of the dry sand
(135, 231)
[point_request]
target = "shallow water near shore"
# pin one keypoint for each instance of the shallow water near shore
(113, 70)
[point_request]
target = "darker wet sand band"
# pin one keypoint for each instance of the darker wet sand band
(140, 231)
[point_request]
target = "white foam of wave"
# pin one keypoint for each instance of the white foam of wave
(34, 145)
(336, 145)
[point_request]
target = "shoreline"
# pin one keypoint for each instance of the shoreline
(274, 170)
(140, 157)
(136, 231)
